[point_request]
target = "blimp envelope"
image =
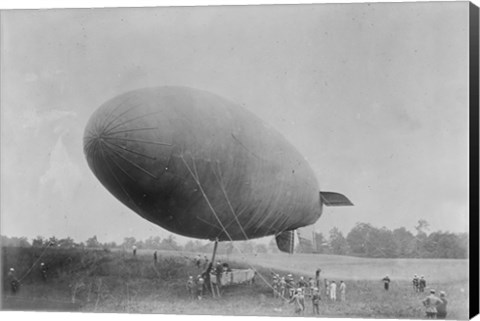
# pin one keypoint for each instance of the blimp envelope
(201, 166)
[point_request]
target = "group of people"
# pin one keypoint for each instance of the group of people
(419, 284)
(196, 287)
(14, 282)
(286, 288)
(435, 307)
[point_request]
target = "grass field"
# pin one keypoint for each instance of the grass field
(100, 281)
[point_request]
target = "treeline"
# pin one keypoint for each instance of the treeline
(363, 240)
(366, 240)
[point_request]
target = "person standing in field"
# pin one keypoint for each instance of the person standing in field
(442, 307)
(134, 248)
(205, 262)
(317, 277)
(283, 286)
(422, 284)
(191, 287)
(200, 285)
(13, 281)
(333, 291)
(198, 261)
(275, 286)
(218, 274)
(311, 286)
(155, 258)
(386, 282)
(343, 289)
(316, 301)
(415, 283)
(302, 284)
(430, 303)
(43, 271)
(299, 302)
(290, 285)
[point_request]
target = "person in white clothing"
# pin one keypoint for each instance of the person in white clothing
(333, 291)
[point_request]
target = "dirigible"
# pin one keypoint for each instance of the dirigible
(201, 166)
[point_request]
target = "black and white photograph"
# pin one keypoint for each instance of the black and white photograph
(280, 160)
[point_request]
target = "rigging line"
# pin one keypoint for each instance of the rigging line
(218, 219)
(132, 119)
(228, 202)
(118, 181)
(34, 263)
(122, 169)
(132, 151)
(137, 140)
(132, 163)
(214, 226)
(106, 126)
(243, 211)
(132, 130)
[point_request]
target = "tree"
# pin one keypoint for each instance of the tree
(38, 241)
(170, 244)
(358, 239)
(337, 242)
(92, 242)
(66, 243)
(153, 242)
(245, 247)
(421, 238)
(129, 242)
(261, 248)
(322, 244)
(405, 242)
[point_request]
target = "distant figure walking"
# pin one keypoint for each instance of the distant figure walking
(316, 301)
(299, 302)
(198, 261)
(442, 307)
(317, 277)
(43, 271)
(430, 303)
(422, 284)
(386, 282)
(13, 281)
(415, 283)
(191, 287)
(155, 258)
(333, 291)
(343, 289)
(134, 250)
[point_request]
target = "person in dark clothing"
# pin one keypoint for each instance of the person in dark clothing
(43, 271)
(155, 258)
(317, 277)
(13, 281)
(218, 274)
(442, 307)
(422, 284)
(386, 282)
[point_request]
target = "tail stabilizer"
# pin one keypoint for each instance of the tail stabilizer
(286, 241)
(334, 199)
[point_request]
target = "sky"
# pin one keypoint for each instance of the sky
(375, 96)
